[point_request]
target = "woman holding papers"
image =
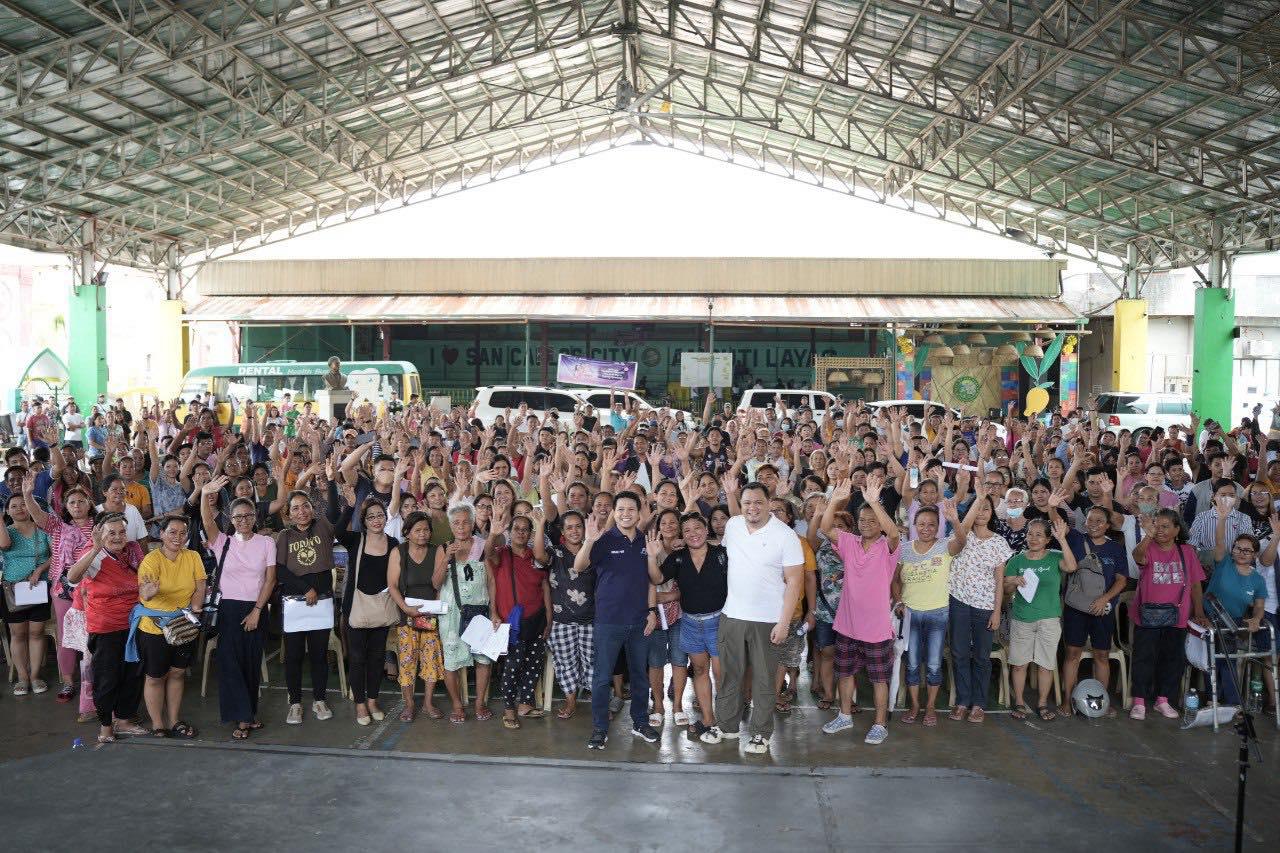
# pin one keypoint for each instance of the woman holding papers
(461, 577)
(409, 576)
(246, 578)
(26, 563)
(305, 550)
(1033, 578)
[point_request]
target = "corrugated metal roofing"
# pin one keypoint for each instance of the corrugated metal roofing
(806, 310)
(201, 128)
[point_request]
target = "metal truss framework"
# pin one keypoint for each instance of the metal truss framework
(1118, 131)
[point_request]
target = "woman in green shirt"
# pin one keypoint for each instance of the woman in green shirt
(26, 560)
(1036, 626)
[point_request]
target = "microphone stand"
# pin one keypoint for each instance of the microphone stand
(1244, 725)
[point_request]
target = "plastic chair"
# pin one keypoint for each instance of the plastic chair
(900, 701)
(546, 684)
(1124, 625)
(1122, 666)
(998, 653)
(8, 654)
(209, 649)
(335, 646)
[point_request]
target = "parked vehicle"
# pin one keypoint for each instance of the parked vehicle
(493, 400)
(792, 398)
(1119, 410)
(599, 398)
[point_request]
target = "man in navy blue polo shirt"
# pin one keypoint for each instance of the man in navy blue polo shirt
(623, 617)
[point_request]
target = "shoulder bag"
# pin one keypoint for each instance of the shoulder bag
(213, 594)
(466, 612)
(1087, 583)
(1165, 615)
(370, 611)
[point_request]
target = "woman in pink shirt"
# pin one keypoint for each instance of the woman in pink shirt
(863, 625)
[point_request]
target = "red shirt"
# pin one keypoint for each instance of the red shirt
(110, 594)
(528, 582)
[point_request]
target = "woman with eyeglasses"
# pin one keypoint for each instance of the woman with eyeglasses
(1241, 591)
(246, 578)
(369, 552)
(107, 584)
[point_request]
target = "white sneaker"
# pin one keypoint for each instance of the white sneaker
(757, 745)
(295, 715)
(838, 724)
(320, 710)
(876, 736)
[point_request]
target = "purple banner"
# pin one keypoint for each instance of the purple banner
(576, 370)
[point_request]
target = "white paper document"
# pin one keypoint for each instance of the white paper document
(485, 641)
(25, 595)
(428, 606)
(1028, 590)
(299, 617)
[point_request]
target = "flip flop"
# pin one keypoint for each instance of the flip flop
(562, 715)
(824, 704)
(535, 714)
(433, 712)
(930, 719)
(977, 715)
(1021, 712)
(106, 739)
(510, 723)
(909, 717)
(957, 713)
(160, 733)
(1047, 714)
(240, 734)
(483, 714)
(406, 716)
(458, 717)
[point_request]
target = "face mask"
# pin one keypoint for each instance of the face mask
(1147, 509)
(1014, 511)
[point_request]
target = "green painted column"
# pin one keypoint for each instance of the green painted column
(1213, 357)
(87, 343)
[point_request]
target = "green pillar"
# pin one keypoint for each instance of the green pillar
(87, 343)
(1213, 358)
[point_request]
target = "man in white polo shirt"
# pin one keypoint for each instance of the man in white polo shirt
(765, 582)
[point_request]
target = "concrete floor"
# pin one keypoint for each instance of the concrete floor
(1063, 785)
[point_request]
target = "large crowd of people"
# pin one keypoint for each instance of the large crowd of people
(650, 552)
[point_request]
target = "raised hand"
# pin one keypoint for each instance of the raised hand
(871, 491)
(842, 490)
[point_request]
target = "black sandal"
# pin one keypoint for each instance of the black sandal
(1021, 712)
(183, 730)
(1047, 714)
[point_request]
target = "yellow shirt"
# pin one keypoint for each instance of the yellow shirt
(137, 495)
(810, 565)
(177, 581)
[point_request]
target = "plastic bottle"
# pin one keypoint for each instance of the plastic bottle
(77, 743)
(1255, 695)
(1190, 707)
(803, 629)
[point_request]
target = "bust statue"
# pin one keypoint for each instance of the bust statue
(334, 380)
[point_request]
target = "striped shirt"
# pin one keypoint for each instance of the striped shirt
(1204, 530)
(69, 543)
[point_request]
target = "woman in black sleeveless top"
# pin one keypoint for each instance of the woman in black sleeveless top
(418, 640)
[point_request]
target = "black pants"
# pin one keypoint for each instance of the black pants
(314, 644)
(117, 686)
(365, 647)
(520, 676)
(239, 663)
(1159, 657)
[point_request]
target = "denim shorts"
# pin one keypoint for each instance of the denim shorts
(698, 636)
(824, 635)
(664, 647)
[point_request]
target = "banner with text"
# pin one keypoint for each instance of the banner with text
(576, 370)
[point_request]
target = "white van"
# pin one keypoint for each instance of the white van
(792, 398)
(493, 400)
(599, 398)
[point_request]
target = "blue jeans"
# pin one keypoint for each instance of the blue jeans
(608, 641)
(928, 630)
(971, 653)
